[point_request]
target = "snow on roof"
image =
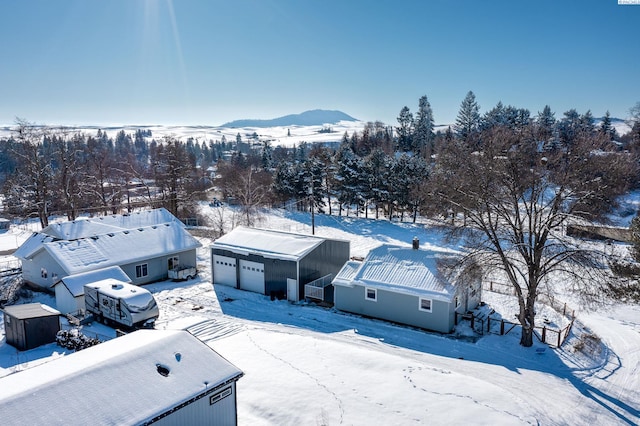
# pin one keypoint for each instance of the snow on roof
(400, 269)
(268, 243)
(348, 272)
(99, 225)
(32, 245)
(115, 382)
(75, 283)
(30, 310)
(121, 248)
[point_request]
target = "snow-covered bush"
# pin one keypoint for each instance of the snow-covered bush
(73, 339)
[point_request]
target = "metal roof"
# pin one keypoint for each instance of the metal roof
(126, 380)
(30, 310)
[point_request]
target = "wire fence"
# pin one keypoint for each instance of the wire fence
(490, 322)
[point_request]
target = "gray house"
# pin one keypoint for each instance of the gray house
(404, 285)
(30, 325)
(278, 263)
(144, 245)
(164, 377)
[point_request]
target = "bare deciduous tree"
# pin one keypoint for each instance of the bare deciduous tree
(517, 199)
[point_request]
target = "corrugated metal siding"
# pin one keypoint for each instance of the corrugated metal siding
(327, 258)
(396, 307)
(276, 271)
(202, 412)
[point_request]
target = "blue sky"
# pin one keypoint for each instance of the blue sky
(78, 62)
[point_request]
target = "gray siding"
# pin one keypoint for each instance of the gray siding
(276, 271)
(396, 307)
(157, 268)
(202, 412)
(327, 258)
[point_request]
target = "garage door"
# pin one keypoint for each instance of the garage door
(224, 270)
(252, 276)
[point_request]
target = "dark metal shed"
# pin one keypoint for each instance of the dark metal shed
(30, 325)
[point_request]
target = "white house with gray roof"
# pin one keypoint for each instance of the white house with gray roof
(143, 248)
(403, 285)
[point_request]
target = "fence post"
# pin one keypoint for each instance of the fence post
(544, 334)
(491, 285)
(564, 310)
(472, 321)
(559, 336)
(501, 327)
(488, 324)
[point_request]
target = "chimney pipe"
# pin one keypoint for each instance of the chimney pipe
(416, 243)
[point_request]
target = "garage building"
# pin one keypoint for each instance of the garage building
(278, 263)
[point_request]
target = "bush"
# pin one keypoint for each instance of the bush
(73, 339)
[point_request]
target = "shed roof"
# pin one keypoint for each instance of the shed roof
(30, 310)
(115, 382)
(268, 243)
(400, 269)
(120, 248)
(75, 283)
(99, 225)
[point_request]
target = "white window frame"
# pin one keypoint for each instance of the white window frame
(143, 267)
(420, 299)
(173, 261)
(375, 294)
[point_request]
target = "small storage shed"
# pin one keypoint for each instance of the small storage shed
(165, 377)
(278, 263)
(404, 285)
(69, 291)
(30, 325)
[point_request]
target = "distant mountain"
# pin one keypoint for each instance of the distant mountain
(316, 117)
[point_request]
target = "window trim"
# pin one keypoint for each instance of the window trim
(420, 299)
(375, 294)
(143, 267)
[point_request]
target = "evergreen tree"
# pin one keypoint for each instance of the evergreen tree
(405, 129)
(468, 118)
(494, 117)
(423, 127)
(606, 128)
(546, 122)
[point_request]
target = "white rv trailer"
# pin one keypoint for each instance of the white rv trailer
(119, 303)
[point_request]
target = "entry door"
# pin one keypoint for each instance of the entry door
(252, 276)
(224, 270)
(292, 290)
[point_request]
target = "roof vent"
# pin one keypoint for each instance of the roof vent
(162, 370)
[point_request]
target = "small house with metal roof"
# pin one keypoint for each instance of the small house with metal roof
(404, 285)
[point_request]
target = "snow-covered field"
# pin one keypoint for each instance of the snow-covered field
(307, 365)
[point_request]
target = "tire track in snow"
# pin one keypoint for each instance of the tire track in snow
(214, 329)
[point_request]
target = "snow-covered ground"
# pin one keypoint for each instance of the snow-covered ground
(309, 365)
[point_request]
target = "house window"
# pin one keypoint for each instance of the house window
(141, 270)
(173, 262)
(425, 305)
(371, 294)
